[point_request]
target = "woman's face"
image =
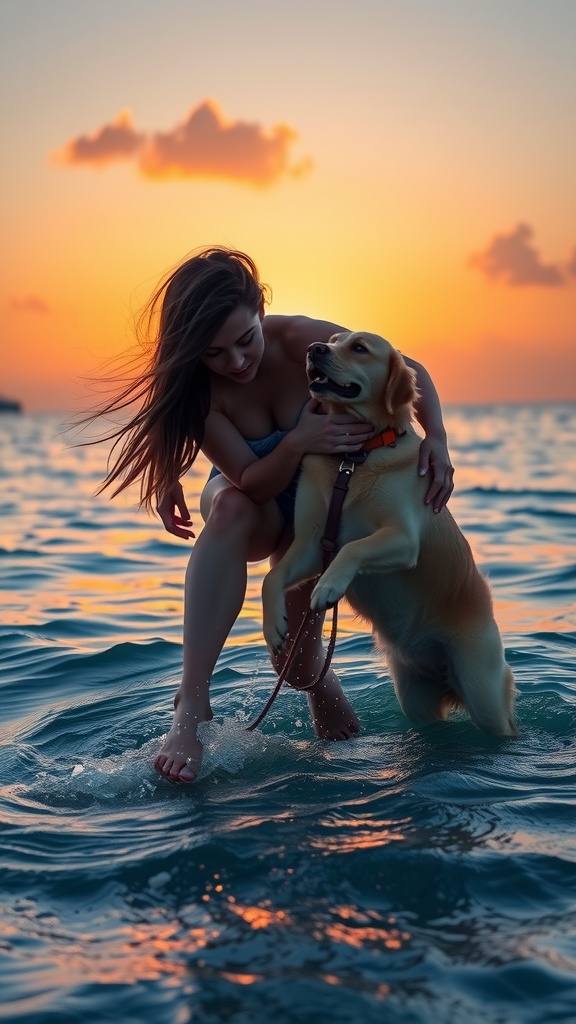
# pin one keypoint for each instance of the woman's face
(236, 351)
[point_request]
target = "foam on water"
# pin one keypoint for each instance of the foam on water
(227, 748)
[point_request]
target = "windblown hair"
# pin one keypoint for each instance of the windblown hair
(162, 439)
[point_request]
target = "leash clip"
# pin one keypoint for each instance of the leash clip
(350, 461)
(347, 466)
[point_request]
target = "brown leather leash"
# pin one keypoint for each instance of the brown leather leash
(328, 543)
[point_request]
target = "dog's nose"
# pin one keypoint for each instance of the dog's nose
(317, 349)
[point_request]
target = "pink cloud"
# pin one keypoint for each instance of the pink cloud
(513, 259)
(204, 145)
(29, 304)
(112, 142)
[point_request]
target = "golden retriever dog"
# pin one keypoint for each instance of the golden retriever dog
(408, 571)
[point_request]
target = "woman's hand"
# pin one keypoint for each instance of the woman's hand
(331, 433)
(178, 525)
(434, 459)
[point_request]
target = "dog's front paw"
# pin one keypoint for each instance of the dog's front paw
(325, 594)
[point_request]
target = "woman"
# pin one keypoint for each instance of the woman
(227, 380)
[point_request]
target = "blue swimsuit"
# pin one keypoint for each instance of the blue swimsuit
(263, 446)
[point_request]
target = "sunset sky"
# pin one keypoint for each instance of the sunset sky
(401, 166)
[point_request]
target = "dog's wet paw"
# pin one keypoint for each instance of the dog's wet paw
(325, 595)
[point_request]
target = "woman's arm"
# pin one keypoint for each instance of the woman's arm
(434, 456)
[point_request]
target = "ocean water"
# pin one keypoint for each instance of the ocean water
(414, 876)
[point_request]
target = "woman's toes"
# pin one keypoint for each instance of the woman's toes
(167, 767)
(187, 774)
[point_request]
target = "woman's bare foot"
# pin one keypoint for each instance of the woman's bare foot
(333, 715)
(181, 755)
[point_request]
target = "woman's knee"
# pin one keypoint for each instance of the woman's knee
(234, 516)
(231, 509)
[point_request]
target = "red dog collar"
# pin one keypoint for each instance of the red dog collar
(386, 439)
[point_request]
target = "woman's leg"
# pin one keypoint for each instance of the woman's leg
(236, 531)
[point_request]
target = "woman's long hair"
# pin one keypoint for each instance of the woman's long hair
(162, 439)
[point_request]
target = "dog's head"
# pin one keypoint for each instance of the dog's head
(364, 374)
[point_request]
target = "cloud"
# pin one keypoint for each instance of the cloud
(30, 304)
(571, 266)
(116, 141)
(204, 145)
(514, 259)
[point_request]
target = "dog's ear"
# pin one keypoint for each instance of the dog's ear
(400, 388)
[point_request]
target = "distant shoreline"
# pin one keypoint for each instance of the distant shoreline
(10, 405)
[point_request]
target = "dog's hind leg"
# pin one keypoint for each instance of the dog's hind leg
(423, 692)
(485, 682)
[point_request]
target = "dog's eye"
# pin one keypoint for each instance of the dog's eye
(359, 347)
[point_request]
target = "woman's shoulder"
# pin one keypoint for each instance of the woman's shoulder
(282, 329)
(281, 335)
(293, 334)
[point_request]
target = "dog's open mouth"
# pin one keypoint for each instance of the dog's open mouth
(319, 383)
(323, 384)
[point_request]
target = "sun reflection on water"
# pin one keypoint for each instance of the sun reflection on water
(261, 916)
(366, 834)
(362, 929)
